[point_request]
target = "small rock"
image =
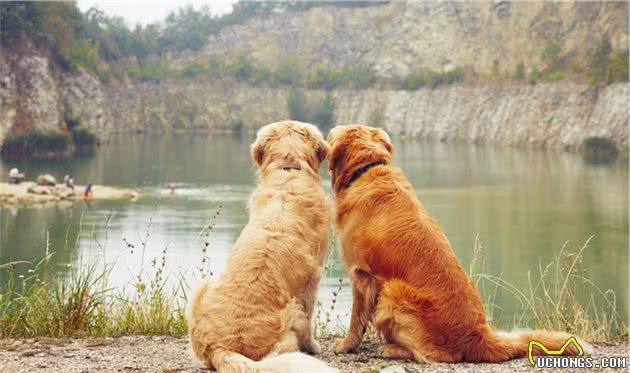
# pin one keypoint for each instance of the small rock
(394, 369)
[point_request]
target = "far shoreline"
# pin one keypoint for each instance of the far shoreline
(17, 194)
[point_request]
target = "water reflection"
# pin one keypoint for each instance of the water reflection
(523, 204)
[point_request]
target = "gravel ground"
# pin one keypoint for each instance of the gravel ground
(169, 354)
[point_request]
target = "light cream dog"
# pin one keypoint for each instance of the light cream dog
(257, 315)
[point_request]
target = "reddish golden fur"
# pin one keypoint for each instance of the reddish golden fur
(262, 304)
(405, 276)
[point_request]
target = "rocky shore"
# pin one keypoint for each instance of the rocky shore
(171, 354)
(29, 193)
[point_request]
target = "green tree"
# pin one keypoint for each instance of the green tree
(600, 60)
(289, 70)
(324, 112)
(618, 68)
(297, 105)
(519, 74)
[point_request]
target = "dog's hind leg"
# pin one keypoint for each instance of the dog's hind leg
(399, 319)
(394, 351)
(303, 330)
(363, 302)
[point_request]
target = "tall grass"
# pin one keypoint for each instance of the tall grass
(83, 303)
(553, 298)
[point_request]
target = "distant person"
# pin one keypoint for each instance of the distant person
(68, 181)
(172, 187)
(15, 177)
(88, 191)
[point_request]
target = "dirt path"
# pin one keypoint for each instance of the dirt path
(169, 354)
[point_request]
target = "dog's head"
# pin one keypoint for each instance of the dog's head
(289, 144)
(354, 147)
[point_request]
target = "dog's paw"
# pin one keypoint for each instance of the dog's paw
(312, 348)
(344, 345)
(392, 351)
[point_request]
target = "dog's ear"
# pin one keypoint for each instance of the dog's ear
(258, 150)
(382, 137)
(323, 149)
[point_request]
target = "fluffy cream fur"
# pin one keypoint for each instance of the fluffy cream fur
(261, 307)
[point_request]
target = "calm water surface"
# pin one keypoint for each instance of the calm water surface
(522, 204)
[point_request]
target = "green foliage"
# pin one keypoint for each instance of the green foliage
(297, 105)
(600, 61)
(432, 79)
(324, 112)
(494, 71)
(321, 113)
(329, 78)
(324, 78)
(84, 141)
(153, 70)
(359, 76)
(34, 144)
(598, 149)
(414, 81)
(71, 122)
(57, 25)
(243, 70)
(534, 76)
(519, 73)
(288, 70)
(85, 53)
(376, 118)
(132, 70)
(550, 52)
(617, 69)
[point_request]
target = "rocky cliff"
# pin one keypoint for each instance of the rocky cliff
(396, 38)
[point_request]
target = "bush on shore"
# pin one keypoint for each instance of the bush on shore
(35, 144)
(599, 149)
(84, 141)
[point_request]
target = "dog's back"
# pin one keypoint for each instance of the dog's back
(263, 301)
(403, 270)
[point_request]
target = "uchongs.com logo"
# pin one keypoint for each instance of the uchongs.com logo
(553, 359)
(543, 361)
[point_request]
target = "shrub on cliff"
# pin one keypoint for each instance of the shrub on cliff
(321, 113)
(377, 118)
(35, 144)
(244, 70)
(329, 78)
(617, 70)
(288, 70)
(324, 112)
(598, 149)
(84, 141)
(519, 73)
(297, 105)
(432, 79)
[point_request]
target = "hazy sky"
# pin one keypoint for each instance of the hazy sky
(148, 11)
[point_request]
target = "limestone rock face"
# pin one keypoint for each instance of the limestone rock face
(401, 37)
(84, 99)
(395, 38)
(217, 105)
(551, 115)
(8, 98)
(37, 108)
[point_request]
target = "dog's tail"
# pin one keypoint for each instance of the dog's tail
(292, 362)
(497, 346)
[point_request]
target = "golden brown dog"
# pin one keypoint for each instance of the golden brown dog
(405, 276)
(261, 306)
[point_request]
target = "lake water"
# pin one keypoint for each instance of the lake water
(522, 204)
